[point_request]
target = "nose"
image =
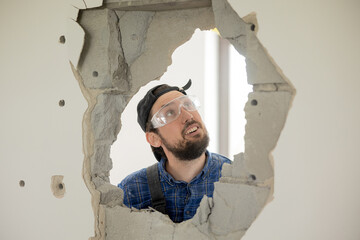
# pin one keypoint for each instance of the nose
(185, 115)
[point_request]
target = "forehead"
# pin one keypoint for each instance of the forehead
(164, 99)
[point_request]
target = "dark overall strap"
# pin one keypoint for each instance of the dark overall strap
(157, 196)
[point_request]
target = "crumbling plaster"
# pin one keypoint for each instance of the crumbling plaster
(122, 50)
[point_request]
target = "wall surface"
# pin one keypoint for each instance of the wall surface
(316, 159)
(38, 138)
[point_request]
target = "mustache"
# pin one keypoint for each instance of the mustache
(187, 124)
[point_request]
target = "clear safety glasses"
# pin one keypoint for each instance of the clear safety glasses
(171, 111)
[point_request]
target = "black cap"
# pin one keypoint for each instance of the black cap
(145, 104)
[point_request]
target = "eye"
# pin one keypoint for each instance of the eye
(188, 104)
(170, 113)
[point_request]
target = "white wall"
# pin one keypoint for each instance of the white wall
(317, 159)
(38, 138)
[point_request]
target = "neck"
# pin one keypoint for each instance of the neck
(184, 170)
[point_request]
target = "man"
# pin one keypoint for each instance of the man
(186, 171)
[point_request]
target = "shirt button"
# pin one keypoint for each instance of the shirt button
(187, 212)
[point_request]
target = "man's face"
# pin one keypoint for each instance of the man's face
(186, 137)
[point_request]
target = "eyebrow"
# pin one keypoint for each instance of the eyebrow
(168, 104)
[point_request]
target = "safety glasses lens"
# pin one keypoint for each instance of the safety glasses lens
(172, 110)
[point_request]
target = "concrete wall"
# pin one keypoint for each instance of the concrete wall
(38, 138)
(316, 159)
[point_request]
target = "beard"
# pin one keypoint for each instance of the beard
(187, 150)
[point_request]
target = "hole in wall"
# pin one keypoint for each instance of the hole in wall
(62, 103)
(131, 143)
(252, 177)
(254, 102)
(22, 183)
(252, 27)
(152, 157)
(62, 39)
(95, 74)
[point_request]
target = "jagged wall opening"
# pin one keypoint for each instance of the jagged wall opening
(124, 50)
(203, 50)
(131, 142)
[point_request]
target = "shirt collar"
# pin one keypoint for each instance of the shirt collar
(202, 175)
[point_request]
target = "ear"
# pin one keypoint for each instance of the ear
(153, 139)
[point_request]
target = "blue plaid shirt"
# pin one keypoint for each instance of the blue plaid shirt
(182, 198)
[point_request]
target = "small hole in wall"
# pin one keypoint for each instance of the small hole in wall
(62, 39)
(252, 177)
(95, 74)
(254, 102)
(62, 103)
(61, 186)
(22, 183)
(252, 27)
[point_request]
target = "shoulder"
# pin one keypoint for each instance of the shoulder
(136, 190)
(216, 162)
(218, 159)
(134, 178)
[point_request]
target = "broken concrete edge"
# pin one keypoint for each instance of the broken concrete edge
(261, 68)
(155, 5)
(292, 90)
(251, 19)
(74, 44)
(100, 233)
(73, 12)
(104, 194)
(265, 114)
(262, 87)
(240, 35)
(273, 87)
(76, 5)
(148, 224)
(245, 41)
(267, 183)
(95, 202)
(289, 87)
(136, 66)
(79, 4)
(93, 3)
(88, 149)
(228, 215)
(162, 53)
